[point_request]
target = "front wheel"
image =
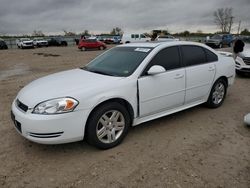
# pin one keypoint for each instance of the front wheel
(108, 125)
(217, 94)
(101, 48)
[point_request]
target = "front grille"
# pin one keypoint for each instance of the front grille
(245, 70)
(18, 126)
(46, 135)
(247, 60)
(22, 106)
(16, 123)
(28, 43)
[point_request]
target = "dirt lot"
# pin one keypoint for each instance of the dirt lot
(198, 147)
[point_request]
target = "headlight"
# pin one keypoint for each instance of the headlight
(56, 106)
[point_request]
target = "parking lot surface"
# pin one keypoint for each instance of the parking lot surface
(199, 147)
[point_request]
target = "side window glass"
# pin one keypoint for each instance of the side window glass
(136, 36)
(211, 57)
(142, 36)
(169, 58)
(193, 55)
(132, 36)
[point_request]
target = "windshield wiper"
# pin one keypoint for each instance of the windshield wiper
(97, 71)
(100, 72)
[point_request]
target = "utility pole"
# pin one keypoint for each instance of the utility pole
(239, 27)
(231, 22)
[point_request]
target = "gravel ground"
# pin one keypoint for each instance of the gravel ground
(199, 147)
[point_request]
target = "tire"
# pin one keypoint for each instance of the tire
(217, 94)
(101, 48)
(83, 49)
(220, 45)
(110, 134)
(64, 43)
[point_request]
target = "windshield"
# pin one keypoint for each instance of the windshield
(119, 61)
(216, 37)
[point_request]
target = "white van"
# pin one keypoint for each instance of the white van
(129, 38)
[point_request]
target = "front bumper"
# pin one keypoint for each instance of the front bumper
(50, 129)
(42, 44)
(247, 119)
(27, 45)
(242, 68)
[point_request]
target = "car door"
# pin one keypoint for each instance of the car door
(96, 44)
(87, 43)
(200, 72)
(162, 91)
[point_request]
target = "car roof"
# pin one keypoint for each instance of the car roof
(166, 43)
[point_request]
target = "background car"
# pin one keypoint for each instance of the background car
(40, 42)
(57, 41)
(102, 100)
(242, 61)
(112, 40)
(220, 40)
(3, 44)
(24, 43)
(134, 37)
(91, 44)
(163, 38)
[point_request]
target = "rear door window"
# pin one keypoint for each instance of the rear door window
(193, 55)
(211, 57)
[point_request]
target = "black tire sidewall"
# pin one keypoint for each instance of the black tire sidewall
(210, 102)
(91, 136)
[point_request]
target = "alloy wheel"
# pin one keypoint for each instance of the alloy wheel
(218, 93)
(110, 126)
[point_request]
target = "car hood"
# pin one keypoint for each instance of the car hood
(27, 41)
(70, 83)
(246, 51)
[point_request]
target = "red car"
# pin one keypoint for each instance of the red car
(85, 44)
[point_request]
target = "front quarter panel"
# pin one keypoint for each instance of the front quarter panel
(125, 89)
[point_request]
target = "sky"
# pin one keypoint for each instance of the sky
(98, 16)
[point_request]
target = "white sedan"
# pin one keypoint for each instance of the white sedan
(127, 85)
(242, 61)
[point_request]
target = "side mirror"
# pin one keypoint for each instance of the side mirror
(238, 46)
(156, 69)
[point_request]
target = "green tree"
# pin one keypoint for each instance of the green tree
(38, 33)
(223, 18)
(116, 31)
(69, 33)
(245, 32)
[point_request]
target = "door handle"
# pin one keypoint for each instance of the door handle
(178, 76)
(211, 69)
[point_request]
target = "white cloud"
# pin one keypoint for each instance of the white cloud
(19, 17)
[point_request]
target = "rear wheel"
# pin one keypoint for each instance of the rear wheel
(101, 48)
(108, 125)
(83, 49)
(217, 94)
